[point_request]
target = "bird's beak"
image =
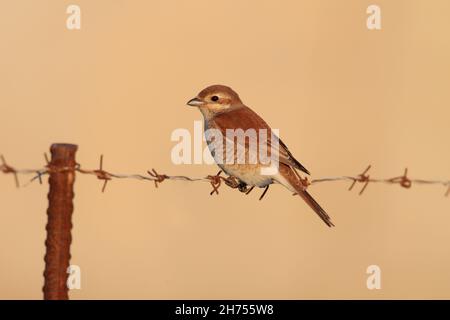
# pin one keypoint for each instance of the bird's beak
(196, 102)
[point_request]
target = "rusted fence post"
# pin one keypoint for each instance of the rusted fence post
(59, 225)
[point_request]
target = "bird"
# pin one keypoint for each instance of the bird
(223, 110)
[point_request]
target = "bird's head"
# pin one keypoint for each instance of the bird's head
(215, 99)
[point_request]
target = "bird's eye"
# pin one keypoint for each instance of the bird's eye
(214, 98)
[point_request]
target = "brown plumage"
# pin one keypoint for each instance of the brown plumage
(223, 109)
(294, 180)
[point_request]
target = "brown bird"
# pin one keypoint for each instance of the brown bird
(223, 110)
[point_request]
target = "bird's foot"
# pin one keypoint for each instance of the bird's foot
(242, 186)
(264, 192)
(230, 181)
(249, 190)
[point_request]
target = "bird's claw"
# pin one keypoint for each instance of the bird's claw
(230, 181)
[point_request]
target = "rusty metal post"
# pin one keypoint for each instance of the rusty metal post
(59, 225)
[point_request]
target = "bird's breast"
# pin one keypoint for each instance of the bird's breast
(235, 159)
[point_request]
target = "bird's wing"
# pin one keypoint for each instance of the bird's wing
(245, 118)
(286, 157)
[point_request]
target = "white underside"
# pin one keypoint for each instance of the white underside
(253, 174)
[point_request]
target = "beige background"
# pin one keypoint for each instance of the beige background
(342, 96)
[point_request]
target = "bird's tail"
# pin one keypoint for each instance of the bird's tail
(292, 178)
(316, 207)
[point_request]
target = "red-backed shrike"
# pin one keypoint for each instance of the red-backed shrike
(223, 111)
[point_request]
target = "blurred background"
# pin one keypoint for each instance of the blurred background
(342, 96)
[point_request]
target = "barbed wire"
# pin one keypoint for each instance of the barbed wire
(215, 180)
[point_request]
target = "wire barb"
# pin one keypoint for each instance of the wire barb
(158, 177)
(403, 180)
(38, 176)
(99, 173)
(215, 182)
(5, 168)
(363, 178)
